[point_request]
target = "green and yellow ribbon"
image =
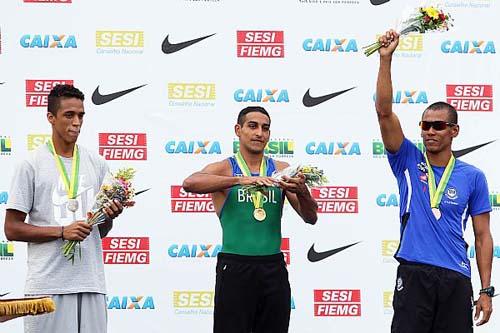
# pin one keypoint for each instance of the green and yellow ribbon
(71, 185)
(435, 195)
(257, 197)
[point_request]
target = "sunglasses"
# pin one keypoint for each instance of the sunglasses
(438, 125)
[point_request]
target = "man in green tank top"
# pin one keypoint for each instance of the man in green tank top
(252, 292)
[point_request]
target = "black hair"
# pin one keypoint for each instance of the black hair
(62, 91)
(248, 109)
(452, 112)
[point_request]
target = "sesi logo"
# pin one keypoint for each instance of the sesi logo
(389, 248)
(37, 91)
(336, 199)
(37, 140)
(260, 44)
(470, 97)
(193, 302)
(126, 250)
(337, 303)
(123, 146)
(185, 202)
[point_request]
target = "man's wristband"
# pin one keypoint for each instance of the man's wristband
(490, 291)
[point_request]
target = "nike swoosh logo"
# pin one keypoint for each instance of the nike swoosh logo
(2, 82)
(378, 2)
(309, 101)
(462, 152)
(314, 256)
(99, 99)
(169, 48)
(142, 191)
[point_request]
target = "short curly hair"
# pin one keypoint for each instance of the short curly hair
(62, 91)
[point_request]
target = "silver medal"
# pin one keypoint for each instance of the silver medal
(72, 205)
(437, 213)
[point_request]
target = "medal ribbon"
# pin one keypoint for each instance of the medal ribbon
(71, 186)
(435, 195)
(257, 196)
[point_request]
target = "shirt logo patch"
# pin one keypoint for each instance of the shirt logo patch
(451, 193)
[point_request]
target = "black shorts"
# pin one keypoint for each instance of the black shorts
(252, 294)
(430, 299)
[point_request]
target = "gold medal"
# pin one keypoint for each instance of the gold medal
(259, 214)
(437, 213)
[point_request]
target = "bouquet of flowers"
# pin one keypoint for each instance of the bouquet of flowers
(313, 175)
(114, 187)
(421, 20)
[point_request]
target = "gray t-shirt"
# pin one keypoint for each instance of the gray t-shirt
(38, 190)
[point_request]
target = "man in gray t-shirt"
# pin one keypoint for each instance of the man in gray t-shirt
(56, 187)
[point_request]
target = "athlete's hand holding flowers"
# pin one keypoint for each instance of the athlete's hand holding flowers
(115, 193)
(388, 43)
(296, 184)
(421, 20)
(293, 178)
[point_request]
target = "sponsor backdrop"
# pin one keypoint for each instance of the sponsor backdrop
(164, 82)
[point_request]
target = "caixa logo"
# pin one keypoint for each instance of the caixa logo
(387, 200)
(48, 41)
(330, 45)
(130, 302)
(468, 46)
(333, 148)
(266, 95)
(472, 251)
(194, 250)
(408, 97)
(192, 147)
(4, 197)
